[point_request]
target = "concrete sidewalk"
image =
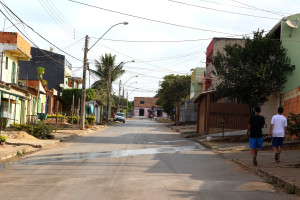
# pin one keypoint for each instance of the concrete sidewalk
(17, 146)
(285, 174)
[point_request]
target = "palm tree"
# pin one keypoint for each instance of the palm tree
(107, 71)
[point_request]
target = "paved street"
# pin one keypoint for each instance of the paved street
(140, 159)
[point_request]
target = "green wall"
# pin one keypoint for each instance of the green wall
(292, 44)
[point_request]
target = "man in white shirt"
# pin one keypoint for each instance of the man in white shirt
(278, 130)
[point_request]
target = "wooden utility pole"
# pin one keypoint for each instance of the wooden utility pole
(108, 95)
(57, 106)
(82, 113)
(72, 108)
(126, 104)
(123, 101)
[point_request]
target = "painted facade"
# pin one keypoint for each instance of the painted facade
(144, 106)
(57, 69)
(15, 100)
(290, 95)
(196, 87)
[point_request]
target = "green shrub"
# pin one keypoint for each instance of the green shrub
(41, 130)
(86, 122)
(75, 119)
(294, 124)
(91, 119)
(19, 126)
(2, 138)
(54, 116)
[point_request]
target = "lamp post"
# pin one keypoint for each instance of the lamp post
(85, 63)
(120, 86)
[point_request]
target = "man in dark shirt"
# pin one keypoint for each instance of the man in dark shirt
(255, 125)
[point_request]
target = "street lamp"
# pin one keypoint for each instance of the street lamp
(86, 49)
(130, 85)
(120, 86)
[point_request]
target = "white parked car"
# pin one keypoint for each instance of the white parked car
(119, 117)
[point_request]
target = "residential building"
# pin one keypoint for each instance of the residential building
(15, 101)
(57, 69)
(196, 87)
(208, 80)
(217, 115)
(144, 106)
(188, 109)
(287, 31)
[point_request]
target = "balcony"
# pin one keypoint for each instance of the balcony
(209, 69)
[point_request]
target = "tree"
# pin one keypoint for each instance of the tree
(254, 71)
(173, 90)
(107, 71)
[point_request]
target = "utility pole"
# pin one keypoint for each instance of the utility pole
(123, 101)
(118, 107)
(126, 104)
(82, 113)
(108, 95)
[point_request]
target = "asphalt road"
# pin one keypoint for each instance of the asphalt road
(140, 159)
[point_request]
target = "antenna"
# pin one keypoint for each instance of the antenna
(292, 24)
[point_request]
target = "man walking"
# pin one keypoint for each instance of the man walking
(255, 126)
(278, 130)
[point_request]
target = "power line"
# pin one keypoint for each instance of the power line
(230, 5)
(37, 32)
(255, 8)
(31, 40)
(152, 20)
(224, 11)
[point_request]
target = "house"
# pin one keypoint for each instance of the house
(15, 100)
(98, 110)
(287, 32)
(188, 109)
(74, 82)
(216, 115)
(57, 69)
(145, 106)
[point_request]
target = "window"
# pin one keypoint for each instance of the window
(6, 63)
(13, 72)
(142, 102)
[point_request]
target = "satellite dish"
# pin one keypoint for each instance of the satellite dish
(62, 85)
(292, 24)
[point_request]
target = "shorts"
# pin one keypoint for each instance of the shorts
(277, 141)
(255, 143)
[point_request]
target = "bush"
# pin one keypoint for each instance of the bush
(2, 138)
(91, 119)
(54, 116)
(294, 124)
(42, 130)
(75, 119)
(19, 126)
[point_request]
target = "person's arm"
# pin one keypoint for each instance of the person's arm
(271, 130)
(249, 128)
(285, 131)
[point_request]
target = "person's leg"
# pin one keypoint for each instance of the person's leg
(275, 147)
(280, 144)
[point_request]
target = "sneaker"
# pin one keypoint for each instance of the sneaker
(276, 157)
(254, 160)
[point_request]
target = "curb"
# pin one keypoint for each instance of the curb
(291, 188)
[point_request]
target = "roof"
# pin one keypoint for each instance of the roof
(203, 94)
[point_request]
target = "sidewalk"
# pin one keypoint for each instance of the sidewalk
(235, 147)
(19, 142)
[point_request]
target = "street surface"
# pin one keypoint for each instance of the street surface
(140, 159)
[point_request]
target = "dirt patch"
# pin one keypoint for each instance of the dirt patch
(18, 135)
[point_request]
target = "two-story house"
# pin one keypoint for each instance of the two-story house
(15, 101)
(144, 106)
